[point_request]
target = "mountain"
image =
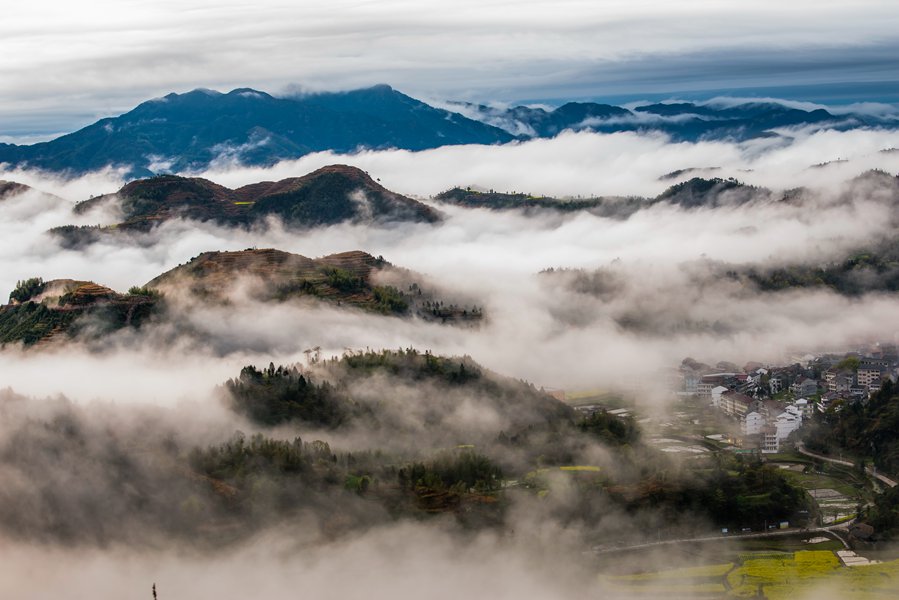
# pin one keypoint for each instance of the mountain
(368, 388)
(327, 196)
(188, 132)
(572, 115)
(609, 207)
(351, 279)
(711, 193)
(40, 311)
(184, 133)
(696, 192)
(683, 121)
(9, 189)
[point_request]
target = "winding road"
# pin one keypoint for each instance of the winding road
(831, 530)
(871, 471)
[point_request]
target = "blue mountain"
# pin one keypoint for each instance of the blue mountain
(187, 132)
(184, 133)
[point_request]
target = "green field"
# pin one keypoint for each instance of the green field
(773, 575)
(814, 481)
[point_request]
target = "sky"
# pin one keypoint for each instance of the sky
(63, 65)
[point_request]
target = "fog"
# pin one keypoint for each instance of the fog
(534, 328)
(107, 57)
(657, 295)
(402, 562)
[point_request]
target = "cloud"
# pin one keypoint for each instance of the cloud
(105, 58)
(588, 164)
(546, 334)
(86, 460)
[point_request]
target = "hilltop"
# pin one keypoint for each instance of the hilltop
(328, 196)
(693, 193)
(11, 188)
(40, 311)
(353, 279)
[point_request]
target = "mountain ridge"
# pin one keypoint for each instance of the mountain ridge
(327, 196)
(193, 131)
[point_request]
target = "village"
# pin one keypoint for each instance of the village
(772, 402)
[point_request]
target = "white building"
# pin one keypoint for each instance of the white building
(753, 424)
(806, 407)
(770, 441)
(787, 422)
(716, 395)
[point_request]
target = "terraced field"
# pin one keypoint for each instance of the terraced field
(771, 575)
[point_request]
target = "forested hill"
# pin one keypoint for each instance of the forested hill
(400, 393)
(64, 309)
(327, 196)
(353, 279)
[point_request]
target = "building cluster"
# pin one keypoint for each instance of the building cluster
(771, 402)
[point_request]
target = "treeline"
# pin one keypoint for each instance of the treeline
(868, 430)
(611, 429)
(412, 365)
(248, 475)
(458, 471)
(875, 269)
(736, 494)
(27, 289)
(283, 394)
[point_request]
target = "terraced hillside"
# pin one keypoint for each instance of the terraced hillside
(43, 312)
(354, 278)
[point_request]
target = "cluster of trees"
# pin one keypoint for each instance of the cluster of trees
(864, 429)
(384, 299)
(738, 494)
(458, 471)
(753, 495)
(389, 300)
(343, 280)
(283, 394)
(31, 322)
(410, 364)
(27, 289)
(865, 271)
(611, 429)
(883, 515)
(240, 458)
(494, 200)
(146, 292)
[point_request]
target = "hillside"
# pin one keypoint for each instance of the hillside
(327, 196)
(410, 435)
(711, 193)
(11, 188)
(611, 207)
(39, 311)
(353, 279)
(368, 390)
(61, 309)
(694, 193)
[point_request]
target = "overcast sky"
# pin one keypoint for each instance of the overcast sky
(65, 64)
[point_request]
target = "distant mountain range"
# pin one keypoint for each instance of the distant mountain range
(185, 133)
